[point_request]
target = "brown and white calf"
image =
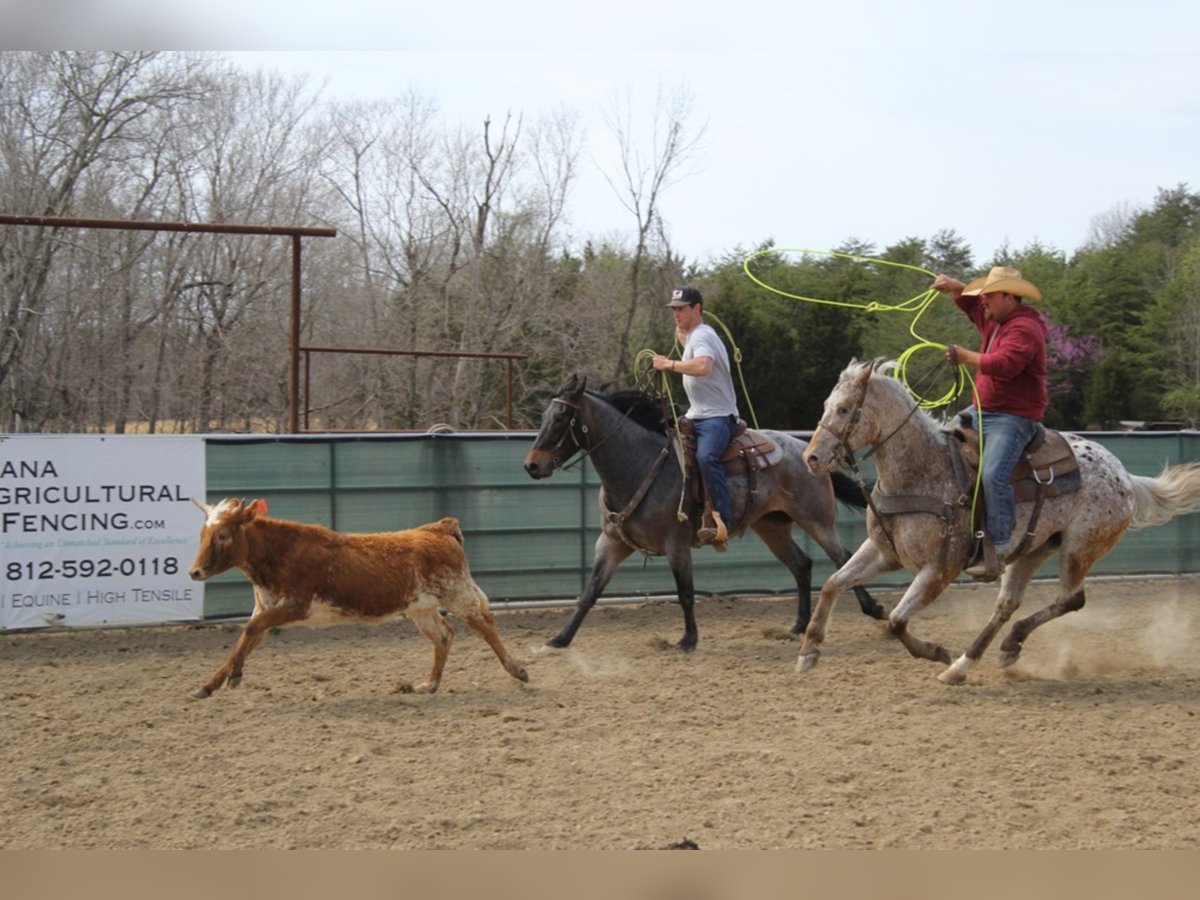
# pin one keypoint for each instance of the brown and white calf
(312, 575)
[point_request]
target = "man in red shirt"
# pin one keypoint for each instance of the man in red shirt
(1010, 381)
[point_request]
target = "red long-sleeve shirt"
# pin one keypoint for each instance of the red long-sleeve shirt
(1012, 365)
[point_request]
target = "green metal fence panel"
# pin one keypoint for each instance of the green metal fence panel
(533, 540)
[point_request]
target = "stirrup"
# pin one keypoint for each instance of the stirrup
(716, 534)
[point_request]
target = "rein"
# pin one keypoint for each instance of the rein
(617, 520)
(892, 505)
(583, 429)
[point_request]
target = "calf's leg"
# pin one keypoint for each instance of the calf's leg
(252, 634)
(434, 626)
(483, 623)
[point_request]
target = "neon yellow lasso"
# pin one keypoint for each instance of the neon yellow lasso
(917, 304)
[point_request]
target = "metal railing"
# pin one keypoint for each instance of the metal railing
(509, 359)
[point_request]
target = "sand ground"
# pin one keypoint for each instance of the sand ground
(620, 741)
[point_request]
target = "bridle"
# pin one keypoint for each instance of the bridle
(614, 519)
(883, 505)
(843, 437)
(563, 461)
(848, 452)
(557, 454)
(851, 460)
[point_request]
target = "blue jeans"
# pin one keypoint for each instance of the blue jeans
(712, 437)
(1004, 437)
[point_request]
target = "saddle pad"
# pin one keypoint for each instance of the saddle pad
(751, 446)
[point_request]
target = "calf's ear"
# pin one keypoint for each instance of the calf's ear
(205, 508)
(257, 508)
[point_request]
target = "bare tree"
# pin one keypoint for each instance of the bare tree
(457, 233)
(642, 179)
(255, 163)
(1109, 228)
(65, 119)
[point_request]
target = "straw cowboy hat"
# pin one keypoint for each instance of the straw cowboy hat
(1002, 279)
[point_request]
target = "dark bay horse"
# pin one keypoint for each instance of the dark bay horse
(867, 407)
(625, 436)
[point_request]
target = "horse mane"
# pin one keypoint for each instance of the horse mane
(885, 369)
(638, 406)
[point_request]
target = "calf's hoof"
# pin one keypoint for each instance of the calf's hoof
(517, 671)
(805, 662)
(201, 693)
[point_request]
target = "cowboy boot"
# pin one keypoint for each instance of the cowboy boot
(989, 564)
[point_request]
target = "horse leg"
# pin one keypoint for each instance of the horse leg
(1013, 584)
(610, 553)
(925, 588)
(1070, 598)
(679, 555)
(827, 539)
(866, 563)
(775, 530)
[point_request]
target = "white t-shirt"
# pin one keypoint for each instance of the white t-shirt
(711, 395)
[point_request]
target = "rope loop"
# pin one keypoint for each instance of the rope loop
(916, 305)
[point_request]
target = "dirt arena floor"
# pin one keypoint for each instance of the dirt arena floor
(619, 742)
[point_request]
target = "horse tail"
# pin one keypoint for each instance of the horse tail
(847, 490)
(1175, 492)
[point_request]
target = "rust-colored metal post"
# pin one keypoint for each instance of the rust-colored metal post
(510, 393)
(294, 351)
(307, 386)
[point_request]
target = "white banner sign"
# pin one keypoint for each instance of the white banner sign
(99, 529)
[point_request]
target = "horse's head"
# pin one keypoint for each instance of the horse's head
(842, 428)
(556, 442)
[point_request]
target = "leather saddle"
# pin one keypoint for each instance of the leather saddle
(1047, 466)
(748, 452)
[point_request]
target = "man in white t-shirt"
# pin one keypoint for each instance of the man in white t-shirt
(712, 404)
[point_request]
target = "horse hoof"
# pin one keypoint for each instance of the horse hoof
(558, 642)
(234, 681)
(806, 661)
(1008, 657)
(955, 674)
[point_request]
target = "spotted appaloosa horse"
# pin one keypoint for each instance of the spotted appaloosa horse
(867, 407)
(625, 436)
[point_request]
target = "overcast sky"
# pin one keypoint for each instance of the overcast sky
(1008, 122)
